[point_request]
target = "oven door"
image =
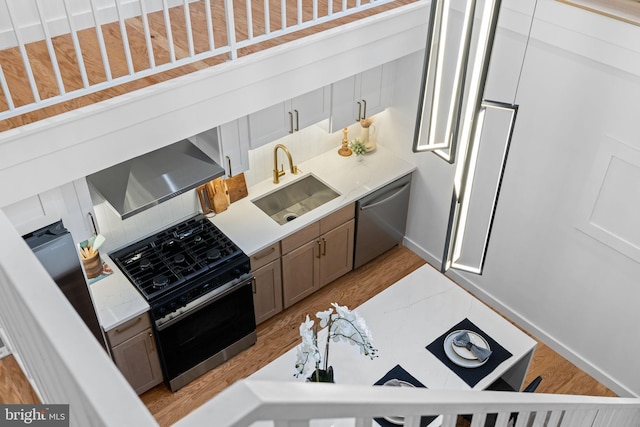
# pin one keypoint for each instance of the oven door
(216, 327)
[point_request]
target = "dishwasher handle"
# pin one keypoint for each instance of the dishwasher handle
(386, 199)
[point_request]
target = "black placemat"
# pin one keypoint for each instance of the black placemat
(470, 375)
(399, 373)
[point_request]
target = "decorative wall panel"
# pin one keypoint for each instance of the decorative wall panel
(609, 210)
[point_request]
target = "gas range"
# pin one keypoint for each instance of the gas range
(199, 287)
(167, 266)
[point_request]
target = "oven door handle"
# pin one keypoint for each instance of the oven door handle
(203, 301)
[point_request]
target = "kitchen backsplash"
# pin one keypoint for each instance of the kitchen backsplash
(303, 145)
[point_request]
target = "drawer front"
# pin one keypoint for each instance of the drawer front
(265, 256)
(301, 237)
(337, 218)
(128, 329)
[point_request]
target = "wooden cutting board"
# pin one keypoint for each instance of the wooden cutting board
(220, 195)
(205, 195)
(237, 187)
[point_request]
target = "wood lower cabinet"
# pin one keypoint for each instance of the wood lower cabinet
(337, 252)
(317, 255)
(267, 291)
(133, 348)
(300, 273)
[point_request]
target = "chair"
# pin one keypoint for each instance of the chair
(502, 385)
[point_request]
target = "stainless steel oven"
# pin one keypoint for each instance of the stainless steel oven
(200, 290)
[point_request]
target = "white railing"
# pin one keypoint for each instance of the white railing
(94, 27)
(61, 358)
(294, 404)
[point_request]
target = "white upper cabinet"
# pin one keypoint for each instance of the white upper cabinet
(234, 140)
(227, 144)
(290, 116)
(360, 96)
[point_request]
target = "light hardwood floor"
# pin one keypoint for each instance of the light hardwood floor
(280, 333)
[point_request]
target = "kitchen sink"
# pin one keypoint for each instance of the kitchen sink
(295, 199)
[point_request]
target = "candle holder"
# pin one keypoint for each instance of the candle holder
(345, 150)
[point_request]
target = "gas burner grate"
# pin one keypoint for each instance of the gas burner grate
(168, 259)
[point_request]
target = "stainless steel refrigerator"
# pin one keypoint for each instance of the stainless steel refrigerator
(53, 245)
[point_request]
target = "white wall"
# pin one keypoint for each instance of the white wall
(563, 257)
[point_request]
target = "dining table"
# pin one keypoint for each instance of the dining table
(413, 324)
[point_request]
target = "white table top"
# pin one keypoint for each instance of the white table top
(404, 319)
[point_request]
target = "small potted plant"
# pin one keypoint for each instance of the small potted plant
(358, 147)
(342, 325)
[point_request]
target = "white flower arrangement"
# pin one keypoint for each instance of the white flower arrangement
(343, 325)
(358, 146)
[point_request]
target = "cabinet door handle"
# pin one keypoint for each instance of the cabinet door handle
(359, 111)
(138, 320)
(153, 343)
(364, 115)
(254, 288)
(319, 249)
(229, 164)
(324, 247)
(290, 122)
(297, 120)
(266, 253)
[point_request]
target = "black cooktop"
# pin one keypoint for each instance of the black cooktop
(172, 257)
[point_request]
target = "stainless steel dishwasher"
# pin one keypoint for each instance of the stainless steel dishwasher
(381, 219)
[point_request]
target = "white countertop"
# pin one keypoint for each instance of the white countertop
(253, 230)
(117, 300)
(403, 320)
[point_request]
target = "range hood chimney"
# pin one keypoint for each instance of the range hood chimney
(152, 178)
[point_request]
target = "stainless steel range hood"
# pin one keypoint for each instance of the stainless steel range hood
(147, 180)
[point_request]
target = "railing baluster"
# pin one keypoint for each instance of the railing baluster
(50, 49)
(344, 5)
(267, 18)
(101, 45)
(449, 420)
(5, 90)
(330, 8)
(299, 12)
(315, 10)
(147, 34)
(283, 13)
(554, 418)
(187, 24)
(125, 38)
(231, 28)
(207, 5)
(249, 19)
(76, 44)
(25, 57)
(167, 24)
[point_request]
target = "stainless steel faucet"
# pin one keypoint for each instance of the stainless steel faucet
(278, 173)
